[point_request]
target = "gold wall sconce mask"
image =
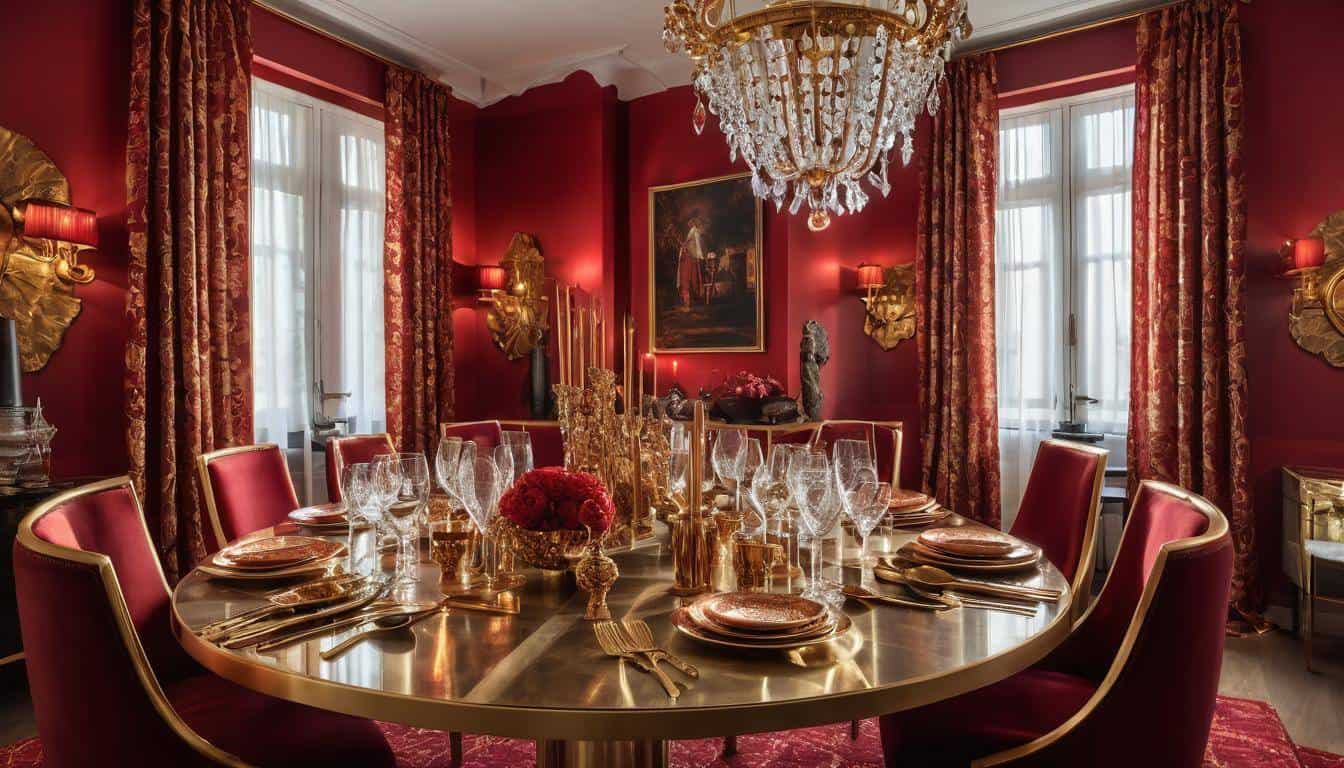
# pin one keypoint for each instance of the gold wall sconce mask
(888, 295)
(1316, 318)
(41, 237)
(516, 295)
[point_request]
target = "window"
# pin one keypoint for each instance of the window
(317, 273)
(1062, 255)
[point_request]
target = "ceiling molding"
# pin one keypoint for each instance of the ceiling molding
(632, 76)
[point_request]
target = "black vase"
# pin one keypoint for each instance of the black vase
(539, 400)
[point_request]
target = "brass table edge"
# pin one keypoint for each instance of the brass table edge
(620, 724)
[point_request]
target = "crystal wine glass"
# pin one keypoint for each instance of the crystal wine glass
(727, 459)
(362, 516)
(853, 463)
(751, 460)
(445, 466)
(813, 491)
(520, 443)
(503, 456)
(404, 478)
(479, 485)
(865, 506)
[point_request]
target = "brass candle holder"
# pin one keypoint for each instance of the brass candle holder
(695, 537)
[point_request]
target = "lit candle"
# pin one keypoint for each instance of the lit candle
(675, 380)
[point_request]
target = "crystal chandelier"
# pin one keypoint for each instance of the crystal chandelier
(811, 93)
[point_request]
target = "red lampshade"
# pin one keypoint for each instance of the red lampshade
(870, 276)
(493, 278)
(60, 222)
(1308, 252)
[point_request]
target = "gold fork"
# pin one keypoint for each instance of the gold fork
(613, 645)
(642, 637)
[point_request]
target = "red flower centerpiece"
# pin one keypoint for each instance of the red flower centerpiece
(553, 513)
(739, 400)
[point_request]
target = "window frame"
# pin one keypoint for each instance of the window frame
(1067, 237)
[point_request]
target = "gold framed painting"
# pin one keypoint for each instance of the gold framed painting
(706, 279)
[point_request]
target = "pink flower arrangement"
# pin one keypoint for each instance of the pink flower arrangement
(552, 499)
(750, 386)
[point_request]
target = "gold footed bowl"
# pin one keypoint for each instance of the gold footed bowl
(547, 550)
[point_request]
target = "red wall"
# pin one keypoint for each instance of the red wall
(66, 89)
(547, 164)
(1294, 163)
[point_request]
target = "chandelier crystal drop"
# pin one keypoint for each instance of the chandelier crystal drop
(812, 93)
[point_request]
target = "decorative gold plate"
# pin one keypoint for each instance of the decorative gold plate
(761, 610)
(906, 500)
(275, 553)
(821, 626)
(919, 555)
(682, 621)
(321, 515)
(968, 542)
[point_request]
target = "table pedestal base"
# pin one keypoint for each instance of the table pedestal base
(555, 753)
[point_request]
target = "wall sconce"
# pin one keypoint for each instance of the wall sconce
(514, 291)
(1316, 316)
(888, 295)
(41, 237)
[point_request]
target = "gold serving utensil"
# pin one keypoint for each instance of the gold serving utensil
(955, 600)
(255, 635)
(288, 638)
(608, 637)
(861, 593)
(500, 604)
(931, 576)
(641, 636)
(285, 601)
(384, 623)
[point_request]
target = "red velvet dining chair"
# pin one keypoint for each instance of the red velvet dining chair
(1134, 683)
(352, 449)
(1060, 507)
(246, 489)
(486, 434)
(109, 683)
(884, 438)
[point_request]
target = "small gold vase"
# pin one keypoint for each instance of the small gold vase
(547, 550)
(595, 574)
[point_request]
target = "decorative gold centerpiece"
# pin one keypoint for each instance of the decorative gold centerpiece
(595, 574)
(551, 514)
(517, 317)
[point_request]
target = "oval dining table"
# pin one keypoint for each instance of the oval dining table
(540, 674)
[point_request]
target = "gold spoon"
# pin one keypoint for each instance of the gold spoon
(863, 593)
(380, 624)
(931, 576)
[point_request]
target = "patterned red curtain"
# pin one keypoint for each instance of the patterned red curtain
(1187, 412)
(417, 260)
(954, 290)
(188, 356)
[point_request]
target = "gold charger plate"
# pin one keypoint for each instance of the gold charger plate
(273, 552)
(933, 515)
(306, 569)
(681, 619)
(320, 516)
(760, 610)
(969, 542)
(822, 626)
(919, 556)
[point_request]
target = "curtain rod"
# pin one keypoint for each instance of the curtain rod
(287, 16)
(1102, 22)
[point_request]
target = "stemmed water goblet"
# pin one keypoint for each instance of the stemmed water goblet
(479, 487)
(503, 458)
(445, 467)
(362, 517)
(403, 481)
(751, 462)
(813, 490)
(865, 505)
(520, 444)
(727, 459)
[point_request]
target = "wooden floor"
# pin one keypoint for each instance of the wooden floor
(1270, 668)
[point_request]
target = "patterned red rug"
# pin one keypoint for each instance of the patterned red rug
(1245, 734)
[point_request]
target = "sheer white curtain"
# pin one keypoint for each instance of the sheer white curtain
(1103, 154)
(1029, 304)
(353, 207)
(282, 209)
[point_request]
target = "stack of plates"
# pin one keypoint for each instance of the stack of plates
(323, 517)
(971, 548)
(758, 620)
(274, 557)
(909, 509)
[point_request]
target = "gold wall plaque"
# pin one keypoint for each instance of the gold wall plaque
(517, 317)
(1316, 322)
(889, 315)
(32, 293)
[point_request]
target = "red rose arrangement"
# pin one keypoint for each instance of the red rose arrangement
(750, 386)
(553, 499)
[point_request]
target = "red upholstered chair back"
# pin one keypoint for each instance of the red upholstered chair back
(246, 489)
(1060, 506)
(883, 437)
(1154, 640)
(94, 613)
(486, 434)
(548, 445)
(352, 449)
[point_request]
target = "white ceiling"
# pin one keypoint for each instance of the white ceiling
(489, 49)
